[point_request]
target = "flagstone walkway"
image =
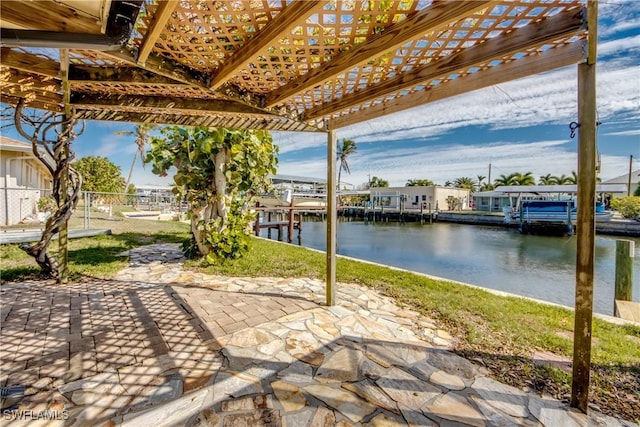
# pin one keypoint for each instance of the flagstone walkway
(162, 346)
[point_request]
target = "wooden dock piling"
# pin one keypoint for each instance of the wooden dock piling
(625, 251)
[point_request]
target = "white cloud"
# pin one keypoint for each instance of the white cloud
(630, 132)
(549, 98)
(616, 16)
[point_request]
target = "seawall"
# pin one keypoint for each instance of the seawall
(616, 227)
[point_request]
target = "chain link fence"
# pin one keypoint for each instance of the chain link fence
(28, 208)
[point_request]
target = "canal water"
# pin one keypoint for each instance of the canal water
(541, 267)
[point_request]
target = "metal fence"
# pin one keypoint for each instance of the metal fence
(28, 207)
(20, 206)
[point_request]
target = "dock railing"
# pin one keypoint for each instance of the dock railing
(284, 218)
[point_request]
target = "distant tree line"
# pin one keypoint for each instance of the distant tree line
(479, 183)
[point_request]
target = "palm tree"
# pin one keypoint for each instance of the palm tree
(573, 178)
(546, 179)
(562, 179)
(525, 179)
(448, 184)
(142, 137)
(347, 148)
(465, 182)
(378, 182)
(506, 180)
(419, 183)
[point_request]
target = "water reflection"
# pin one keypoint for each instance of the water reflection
(541, 267)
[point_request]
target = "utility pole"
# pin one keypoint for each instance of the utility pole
(489, 176)
(630, 171)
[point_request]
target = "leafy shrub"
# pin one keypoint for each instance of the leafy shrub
(629, 207)
(47, 204)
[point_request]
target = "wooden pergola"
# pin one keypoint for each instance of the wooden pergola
(312, 65)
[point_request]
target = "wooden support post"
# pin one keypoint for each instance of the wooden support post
(625, 251)
(256, 227)
(290, 224)
(586, 225)
(63, 230)
(332, 217)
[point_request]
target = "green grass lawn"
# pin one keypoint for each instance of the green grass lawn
(501, 332)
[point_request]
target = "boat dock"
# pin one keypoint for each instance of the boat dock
(382, 214)
(282, 218)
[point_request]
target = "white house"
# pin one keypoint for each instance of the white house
(23, 180)
(512, 195)
(431, 197)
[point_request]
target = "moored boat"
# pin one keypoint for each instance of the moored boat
(547, 215)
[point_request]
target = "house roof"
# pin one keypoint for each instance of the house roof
(280, 178)
(278, 64)
(10, 144)
(14, 145)
(624, 179)
(551, 189)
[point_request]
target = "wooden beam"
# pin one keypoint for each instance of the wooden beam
(237, 122)
(25, 81)
(281, 25)
(557, 27)
(153, 103)
(120, 75)
(172, 70)
(66, 87)
(161, 66)
(435, 17)
(585, 224)
(32, 96)
(545, 61)
(332, 217)
(29, 63)
(157, 25)
(35, 103)
(48, 16)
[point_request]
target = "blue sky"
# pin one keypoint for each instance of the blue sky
(520, 126)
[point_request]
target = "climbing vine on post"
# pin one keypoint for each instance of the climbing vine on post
(219, 171)
(50, 134)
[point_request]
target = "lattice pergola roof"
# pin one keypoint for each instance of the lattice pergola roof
(273, 64)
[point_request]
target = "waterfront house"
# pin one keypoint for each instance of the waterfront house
(512, 195)
(23, 180)
(431, 197)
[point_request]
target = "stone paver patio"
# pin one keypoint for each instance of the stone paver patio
(162, 346)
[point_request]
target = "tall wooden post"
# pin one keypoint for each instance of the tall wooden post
(291, 221)
(586, 229)
(63, 231)
(332, 216)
